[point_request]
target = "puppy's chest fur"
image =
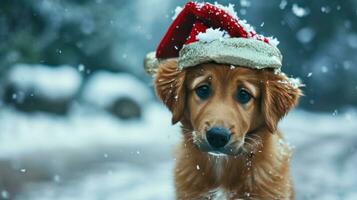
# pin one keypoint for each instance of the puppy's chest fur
(219, 168)
(218, 194)
(264, 176)
(218, 164)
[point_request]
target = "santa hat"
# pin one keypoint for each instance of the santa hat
(203, 32)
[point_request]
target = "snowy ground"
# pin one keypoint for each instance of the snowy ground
(93, 156)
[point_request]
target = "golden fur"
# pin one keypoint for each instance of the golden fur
(258, 167)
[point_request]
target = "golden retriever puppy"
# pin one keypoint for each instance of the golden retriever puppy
(231, 148)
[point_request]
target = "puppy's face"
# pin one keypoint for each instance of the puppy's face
(221, 107)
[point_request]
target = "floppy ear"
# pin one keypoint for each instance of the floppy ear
(169, 87)
(278, 97)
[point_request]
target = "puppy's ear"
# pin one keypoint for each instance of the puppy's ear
(170, 88)
(279, 95)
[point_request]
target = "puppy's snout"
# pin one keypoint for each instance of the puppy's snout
(218, 137)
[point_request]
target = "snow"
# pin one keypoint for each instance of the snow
(228, 9)
(104, 88)
(324, 157)
(282, 147)
(325, 9)
(245, 3)
(81, 67)
(51, 82)
(305, 35)
(4, 194)
(296, 82)
(99, 160)
(352, 40)
(212, 34)
(216, 33)
(154, 184)
(73, 133)
(177, 11)
(249, 29)
(57, 144)
(324, 69)
(283, 4)
(299, 11)
(273, 41)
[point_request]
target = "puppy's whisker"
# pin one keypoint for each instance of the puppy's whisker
(255, 139)
(194, 138)
(248, 145)
(253, 143)
(244, 150)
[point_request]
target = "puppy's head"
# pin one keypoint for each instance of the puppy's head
(222, 107)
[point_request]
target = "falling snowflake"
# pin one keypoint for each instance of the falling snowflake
(305, 35)
(299, 11)
(5, 194)
(81, 68)
(325, 9)
(324, 69)
(56, 178)
(245, 3)
(283, 4)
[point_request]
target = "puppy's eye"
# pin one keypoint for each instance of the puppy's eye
(203, 91)
(243, 96)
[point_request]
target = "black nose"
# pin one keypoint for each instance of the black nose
(218, 137)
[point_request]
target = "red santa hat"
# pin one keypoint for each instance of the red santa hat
(203, 32)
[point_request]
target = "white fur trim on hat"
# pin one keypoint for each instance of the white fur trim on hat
(151, 63)
(235, 51)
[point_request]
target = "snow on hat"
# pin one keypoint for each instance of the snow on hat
(203, 32)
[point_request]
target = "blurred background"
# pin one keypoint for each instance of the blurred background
(79, 119)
